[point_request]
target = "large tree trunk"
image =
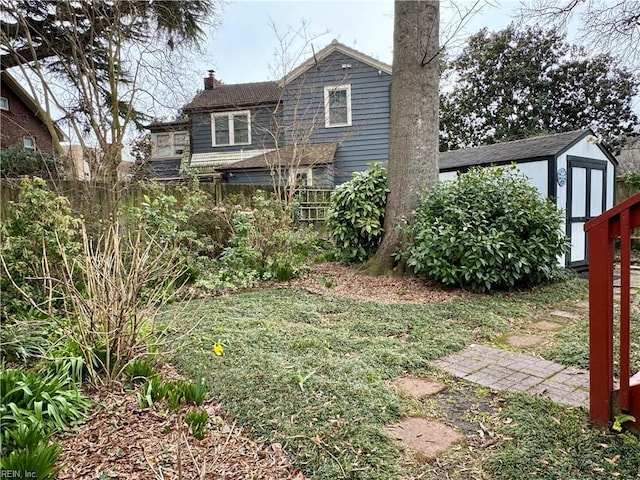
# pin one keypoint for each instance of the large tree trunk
(413, 142)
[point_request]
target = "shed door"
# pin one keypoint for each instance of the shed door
(586, 199)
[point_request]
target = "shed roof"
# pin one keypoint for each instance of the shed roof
(288, 156)
(505, 152)
(236, 96)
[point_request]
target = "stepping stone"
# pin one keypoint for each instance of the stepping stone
(547, 326)
(426, 438)
(565, 315)
(418, 387)
(522, 341)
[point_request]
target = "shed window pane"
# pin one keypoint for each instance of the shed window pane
(597, 192)
(579, 192)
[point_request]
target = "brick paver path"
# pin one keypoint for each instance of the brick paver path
(504, 370)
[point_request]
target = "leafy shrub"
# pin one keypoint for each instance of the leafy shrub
(264, 244)
(632, 180)
(356, 214)
(39, 221)
(16, 162)
(486, 230)
(39, 460)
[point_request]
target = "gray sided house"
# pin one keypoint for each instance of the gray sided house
(325, 120)
(169, 149)
(572, 169)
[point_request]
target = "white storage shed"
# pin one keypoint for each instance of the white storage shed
(572, 169)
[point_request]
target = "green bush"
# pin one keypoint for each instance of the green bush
(16, 162)
(39, 221)
(486, 230)
(46, 403)
(38, 460)
(632, 180)
(265, 244)
(356, 214)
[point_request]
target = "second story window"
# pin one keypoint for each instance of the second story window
(170, 144)
(232, 128)
(4, 103)
(337, 106)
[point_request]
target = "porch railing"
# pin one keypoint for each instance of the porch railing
(605, 400)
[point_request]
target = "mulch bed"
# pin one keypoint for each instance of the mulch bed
(121, 440)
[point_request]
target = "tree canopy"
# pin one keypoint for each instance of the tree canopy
(98, 65)
(516, 83)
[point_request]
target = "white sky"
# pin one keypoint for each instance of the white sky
(243, 47)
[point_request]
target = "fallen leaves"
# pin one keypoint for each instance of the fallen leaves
(121, 440)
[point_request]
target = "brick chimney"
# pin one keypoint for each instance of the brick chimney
(211, 81)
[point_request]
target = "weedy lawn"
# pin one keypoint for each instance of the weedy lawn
(310, 372)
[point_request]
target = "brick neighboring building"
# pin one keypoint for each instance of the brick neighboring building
(21, 118)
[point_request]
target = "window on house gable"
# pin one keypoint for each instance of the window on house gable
(4, 103)
(170, 144)
(29, 144)
(337, 106)
(231, 128)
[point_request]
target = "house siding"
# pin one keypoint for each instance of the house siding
(165, 169)
(367, 138)
(262, 126)
(19, 122)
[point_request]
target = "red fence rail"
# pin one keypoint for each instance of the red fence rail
(605, 400)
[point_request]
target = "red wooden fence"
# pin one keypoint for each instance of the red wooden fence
(605, 399)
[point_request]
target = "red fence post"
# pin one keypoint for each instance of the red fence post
(600, 324)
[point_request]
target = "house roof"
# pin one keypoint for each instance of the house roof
(336, 46)
(288, 156)
(505, 152)
(236, 96)
(29, 101)
(173, 125)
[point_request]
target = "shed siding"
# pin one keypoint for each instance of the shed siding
(367, 139)
(322, 177)
(261, 128)
(536, 172)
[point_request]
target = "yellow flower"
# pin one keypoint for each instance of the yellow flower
(218, 349)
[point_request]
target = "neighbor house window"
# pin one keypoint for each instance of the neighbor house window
(4, 103)
(171, 144)
(337, 106)
(29, 144)
(231, 128)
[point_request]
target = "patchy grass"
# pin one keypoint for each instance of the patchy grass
(571, 346)
(545, 440)
(308, 371)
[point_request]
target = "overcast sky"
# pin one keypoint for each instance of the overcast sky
(243, 47)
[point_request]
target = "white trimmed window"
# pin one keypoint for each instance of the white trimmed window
(29, 144)
(4, 103)
(301, 177)
(337, 106)
(170, 144)
(231, 128)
